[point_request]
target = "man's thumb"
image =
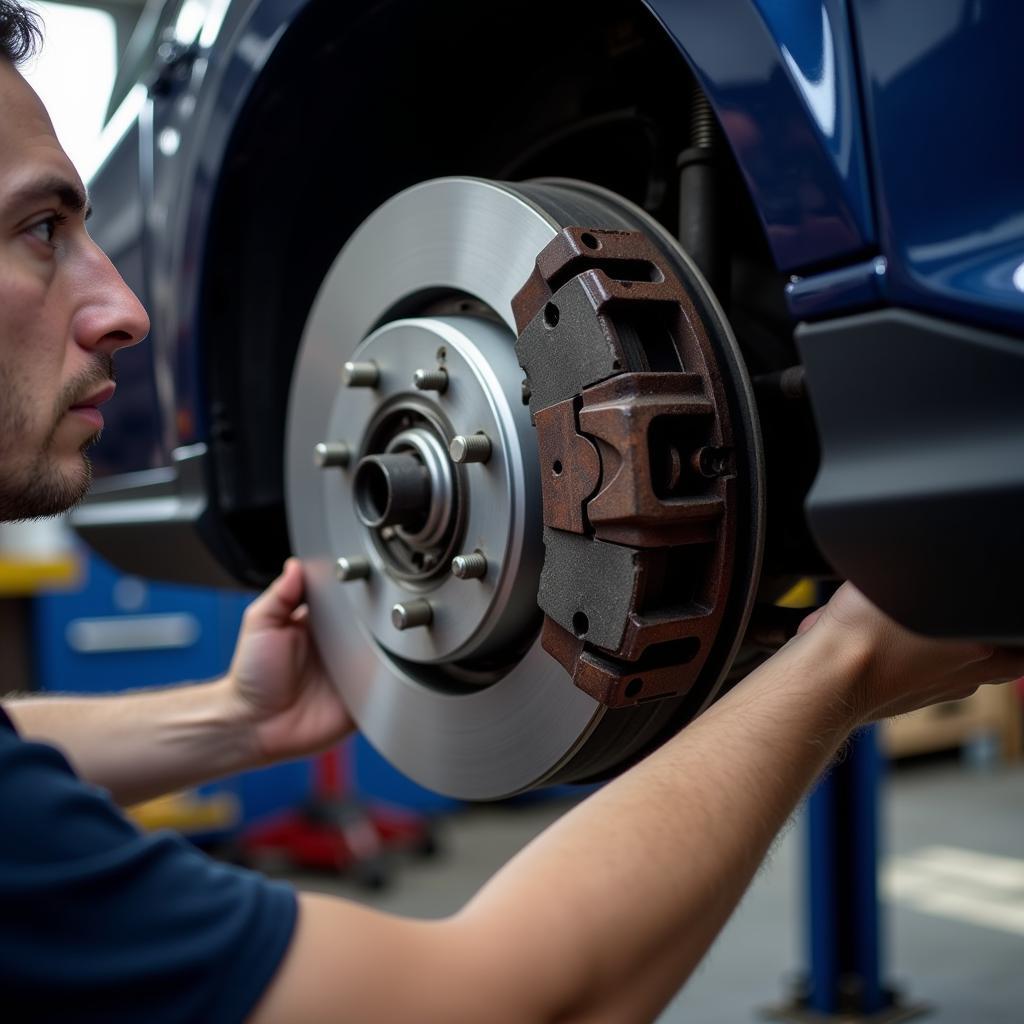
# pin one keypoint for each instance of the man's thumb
(275, 605)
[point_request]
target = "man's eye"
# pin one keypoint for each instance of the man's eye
(46, 229)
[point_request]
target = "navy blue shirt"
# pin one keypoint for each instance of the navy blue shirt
(102, 922)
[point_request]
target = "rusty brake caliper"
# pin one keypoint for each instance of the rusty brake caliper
(637, 465)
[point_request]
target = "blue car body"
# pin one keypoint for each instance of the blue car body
(877, 143)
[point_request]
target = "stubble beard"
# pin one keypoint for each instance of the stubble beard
(43, 488)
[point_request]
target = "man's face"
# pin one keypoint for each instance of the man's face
(64, 312)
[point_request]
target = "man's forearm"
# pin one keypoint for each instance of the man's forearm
(605, 915)
(616, 904)
(144, 743)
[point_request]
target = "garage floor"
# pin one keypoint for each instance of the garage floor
(954, 876)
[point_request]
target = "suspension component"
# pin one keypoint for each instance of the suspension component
(699, 176)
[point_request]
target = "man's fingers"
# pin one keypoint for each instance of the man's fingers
(809, 621)
(1005, 665)
(276, 604)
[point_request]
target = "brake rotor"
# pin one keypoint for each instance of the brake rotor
(424, 509)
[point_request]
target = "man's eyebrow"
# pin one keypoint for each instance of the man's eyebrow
(65, 191)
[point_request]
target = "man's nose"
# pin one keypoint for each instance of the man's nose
(110, 316)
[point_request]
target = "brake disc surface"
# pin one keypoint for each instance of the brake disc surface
(447, 674)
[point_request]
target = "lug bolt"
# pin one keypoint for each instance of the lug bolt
(360, 375)
(355, 568)
(469, 567)
(470, 448)
(431, 380)
(332, 453)
(526, 393)
(408, 614)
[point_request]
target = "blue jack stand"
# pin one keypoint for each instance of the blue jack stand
(844, 982)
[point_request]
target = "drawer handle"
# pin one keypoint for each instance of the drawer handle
(133, 633)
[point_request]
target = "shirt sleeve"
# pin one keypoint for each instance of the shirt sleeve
(102, 922)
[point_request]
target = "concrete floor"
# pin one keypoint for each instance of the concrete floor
(954, 923)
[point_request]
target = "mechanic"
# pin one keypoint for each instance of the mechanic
(601, 918)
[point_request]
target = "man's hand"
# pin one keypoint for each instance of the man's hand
(896, 670)
(276, 702)
(277, 681)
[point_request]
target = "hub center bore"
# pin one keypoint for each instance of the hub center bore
(392, 490)
(409, 486)
(405, 491)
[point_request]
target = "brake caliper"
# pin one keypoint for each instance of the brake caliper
(637, 465)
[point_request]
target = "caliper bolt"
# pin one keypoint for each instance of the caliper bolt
(710, 461)
(355, 568)
(470, 448)
(408, 614)
(360, 375)
(469, 567)
(431, 380)
(332, 453)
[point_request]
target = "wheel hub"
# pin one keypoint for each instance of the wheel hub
(406, 495)
(424, 545)
(408, 509)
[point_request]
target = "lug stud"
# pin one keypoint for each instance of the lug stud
(431, 380)
(409, 614)
(469, 567)
(332, 453)
(355, 568)
(360, 375)
(470, 448)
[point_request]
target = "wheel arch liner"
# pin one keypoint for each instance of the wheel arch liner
(782, 79)
(920, 496)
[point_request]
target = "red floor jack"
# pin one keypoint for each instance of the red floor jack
(336, 832)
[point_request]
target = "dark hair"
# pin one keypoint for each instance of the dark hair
(20, 31)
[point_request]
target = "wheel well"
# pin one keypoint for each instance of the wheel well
(353, 108)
